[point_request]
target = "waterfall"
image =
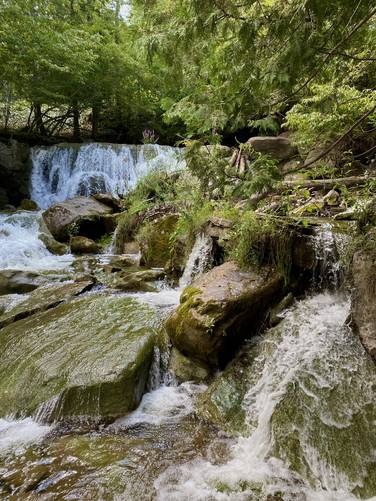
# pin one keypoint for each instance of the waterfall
(198, 261)
(68, 170)
(309, 410)
(20, 246)
(329, 248)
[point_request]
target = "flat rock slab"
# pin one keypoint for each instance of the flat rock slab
(43, 299)
(88, 357)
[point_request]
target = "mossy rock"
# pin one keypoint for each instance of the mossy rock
(88, 357)
(154, 240)
(220, 309)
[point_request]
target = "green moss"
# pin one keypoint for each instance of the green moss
(154, 240)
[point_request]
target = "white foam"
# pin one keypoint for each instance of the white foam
(20, 246)
(164, 405)
(17, 435)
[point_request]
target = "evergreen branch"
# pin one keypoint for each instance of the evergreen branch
(361, 23)
(334, 144)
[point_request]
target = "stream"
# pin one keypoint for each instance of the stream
(308, 432)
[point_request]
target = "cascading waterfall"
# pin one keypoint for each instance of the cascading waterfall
(20, 246)
(198, 260)
(67, 170)
(309, 413)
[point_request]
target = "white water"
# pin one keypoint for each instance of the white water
(63, 171)
(17, 435)
(316, 353)
(20, 247)
(163, 405)
(198, 260)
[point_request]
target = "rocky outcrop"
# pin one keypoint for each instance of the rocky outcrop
(279, 147)
(83, 245)
(15, 171)
(220, 309)
(185, 369)
(131, 280)
(78, 216)
(88, 357)
(363, 306)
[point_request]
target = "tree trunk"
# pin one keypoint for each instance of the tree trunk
(76, 123)
(39, 119)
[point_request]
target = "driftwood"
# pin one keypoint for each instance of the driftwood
(327, 184)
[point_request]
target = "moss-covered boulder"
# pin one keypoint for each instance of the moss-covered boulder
(87, 357)
(154, 240)
(78, 216)
(364, 292)
(220, 309)
(185, 369)
(83, 245)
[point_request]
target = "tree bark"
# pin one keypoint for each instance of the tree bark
(39, 119)
(76, 122)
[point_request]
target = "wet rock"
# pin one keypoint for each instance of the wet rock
(83, 245)
(222, 403)
(279, 147)
(18, 282)
(27, 204)
(78, 216)
(220, 309)
(185, 369)
(363, 303)
(15, 172)
(276, 313)
(136, 281)
(42, 299)
(87, 357)
(51, 244)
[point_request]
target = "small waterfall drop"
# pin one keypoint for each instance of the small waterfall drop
(198, 260)
(329, 248)
(309, 409)
(20, 246)
(67, 170)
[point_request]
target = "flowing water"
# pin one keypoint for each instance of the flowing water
(21, 247)
(67, 170)
(309, 394)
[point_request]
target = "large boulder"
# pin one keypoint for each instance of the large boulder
(15, 172)
(220, 309)
(279, 147)
(87, 357)
(364, 293)
(78, 216)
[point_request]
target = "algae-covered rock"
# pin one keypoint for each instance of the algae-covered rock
(83, 245)
(42, 299)
(222, 403)
(185, 369)
(220, 309)
(80, 215)
(154, 240)
(88, 357)
(364, 292)
(27, 204)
